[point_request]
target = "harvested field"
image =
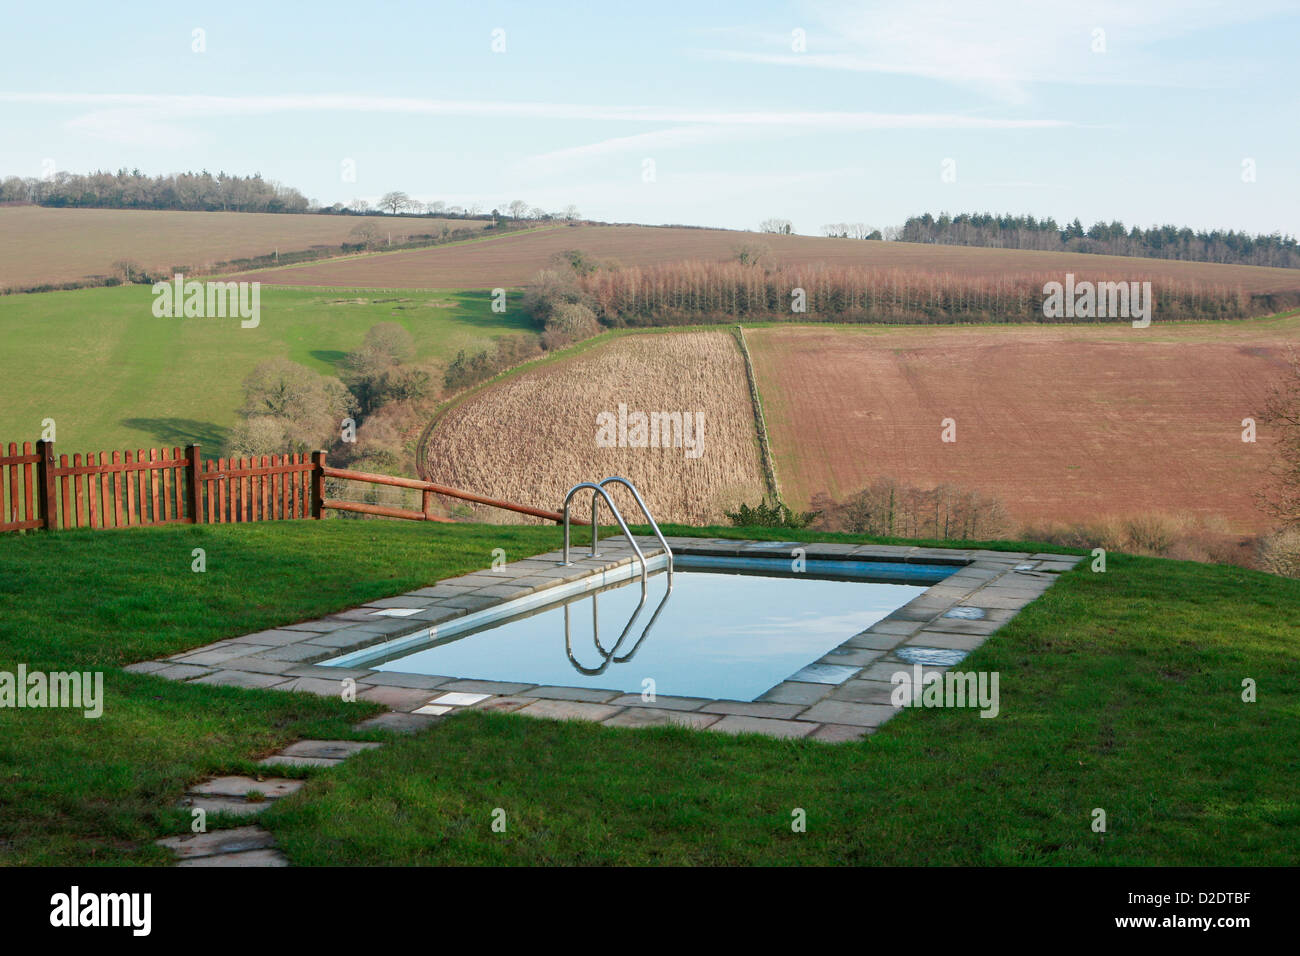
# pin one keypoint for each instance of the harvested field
(513, 260)
(1062, 424)
(40, 245)
(534, 435)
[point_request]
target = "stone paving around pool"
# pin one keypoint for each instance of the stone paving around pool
(843, 696)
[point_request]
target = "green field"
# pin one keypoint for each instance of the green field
(112, 375)
(1120, 691)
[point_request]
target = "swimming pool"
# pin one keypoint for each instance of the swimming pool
(731, 627)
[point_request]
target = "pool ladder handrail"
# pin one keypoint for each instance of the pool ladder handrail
(598, 492)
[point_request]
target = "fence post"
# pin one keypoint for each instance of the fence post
(45, 481)
(318, 484)
(193, 493)
(426, 502)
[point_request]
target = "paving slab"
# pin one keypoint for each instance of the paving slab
(590, 694)
(231, 805)
(329, 749)
(864, 692)
(796, 692)
(752, 709)
(459, 699)
(503, 705)
(298, 652)
(184, 671)
(147, 667)
(238, 786)
(320, 686)
(402, 600)
(956, 642)
(851, 656)
(738, 724)
(397, 698)
(257, 664)
(660, 702)
(328, 673)
(355, 638)
(393, 679)
(486, 687)
(845, 712)
(880, 642)
(273, 638)
(568, 710)
(245, 679)
(885, 670)
(213, 842)
(323, 625)
(249, 858)
(221, 654)
(891, 627)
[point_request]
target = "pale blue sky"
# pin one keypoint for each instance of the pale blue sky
(739, 124)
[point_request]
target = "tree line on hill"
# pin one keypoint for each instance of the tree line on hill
(223, 192)
(1114, 238)
(200, 191)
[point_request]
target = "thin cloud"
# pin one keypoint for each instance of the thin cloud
(122, 106)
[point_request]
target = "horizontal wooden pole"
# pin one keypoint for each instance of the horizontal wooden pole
(60, 471)
(252, 472)
(383, 510)
(436, 489)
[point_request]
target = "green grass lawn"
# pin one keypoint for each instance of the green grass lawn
(112, 375)
(1119, 691)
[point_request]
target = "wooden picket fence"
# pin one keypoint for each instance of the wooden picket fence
(39, 490)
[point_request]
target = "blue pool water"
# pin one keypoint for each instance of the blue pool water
(719, 634)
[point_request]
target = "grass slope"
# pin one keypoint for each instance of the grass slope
(112, 375)
(1119, 690)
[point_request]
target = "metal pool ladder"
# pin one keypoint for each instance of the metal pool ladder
(599, 492)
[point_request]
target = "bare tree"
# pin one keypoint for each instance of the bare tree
(395, 202)
(517, 209)
(778, 226)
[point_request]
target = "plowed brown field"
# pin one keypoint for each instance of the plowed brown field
(40, 245)
(509, 261)
(1062, 424)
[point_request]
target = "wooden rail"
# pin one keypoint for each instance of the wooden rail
(39, 490)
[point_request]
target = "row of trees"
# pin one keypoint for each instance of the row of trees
(397, 203)
(851, 230)
(224, 192)
(135, 190)
(1113, 238)
(704, 291)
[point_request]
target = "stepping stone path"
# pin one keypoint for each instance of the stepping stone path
(246, 796)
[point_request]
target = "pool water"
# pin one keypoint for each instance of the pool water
(719, 634)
